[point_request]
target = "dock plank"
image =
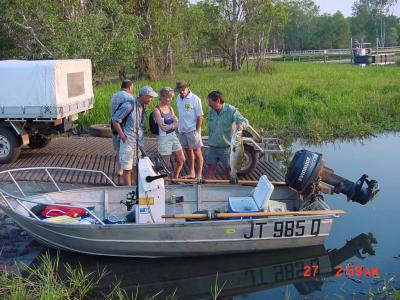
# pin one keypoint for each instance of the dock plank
(98, 154)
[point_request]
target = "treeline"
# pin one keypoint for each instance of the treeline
(148, 38)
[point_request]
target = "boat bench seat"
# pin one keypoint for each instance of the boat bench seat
(257, 201)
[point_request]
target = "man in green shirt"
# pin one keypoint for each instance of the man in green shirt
(220, 119)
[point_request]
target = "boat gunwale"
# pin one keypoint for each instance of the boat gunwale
(220, 222)
(146, 225)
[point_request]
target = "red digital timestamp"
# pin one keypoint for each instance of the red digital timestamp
(341, 271)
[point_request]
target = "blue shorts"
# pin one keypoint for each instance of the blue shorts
(215, 154)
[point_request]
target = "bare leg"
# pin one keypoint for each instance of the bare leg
(190, 156)
(120, 171)
(199, 157)
(167, 160)
(127, 176)
(180, 160)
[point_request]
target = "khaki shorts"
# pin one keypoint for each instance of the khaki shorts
(190, 140)
(127, 155)
(168, 144)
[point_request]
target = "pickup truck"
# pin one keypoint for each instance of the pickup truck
(39, 99)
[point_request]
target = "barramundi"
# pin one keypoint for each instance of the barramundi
(237, 152)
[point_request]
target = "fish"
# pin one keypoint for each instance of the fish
(236, 154)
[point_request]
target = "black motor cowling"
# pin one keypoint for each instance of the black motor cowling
(307, 173)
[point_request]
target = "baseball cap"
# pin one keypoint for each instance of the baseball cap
(147, 91)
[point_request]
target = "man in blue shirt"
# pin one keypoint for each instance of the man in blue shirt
(129, 121)
(220, 119)
(120, 97)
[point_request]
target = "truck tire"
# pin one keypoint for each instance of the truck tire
(246, 133)
(100, 130)
(250, 160)
(38, 141)
(10, 145)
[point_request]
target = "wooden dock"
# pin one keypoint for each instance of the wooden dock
(97, 154)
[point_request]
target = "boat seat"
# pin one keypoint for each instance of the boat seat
(257, 201)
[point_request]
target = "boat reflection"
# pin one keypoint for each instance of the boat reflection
(192, 278)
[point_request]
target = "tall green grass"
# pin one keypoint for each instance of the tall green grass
(44, 281)
(303, 100)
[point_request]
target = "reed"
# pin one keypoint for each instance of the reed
(313, 101)
(44, 282)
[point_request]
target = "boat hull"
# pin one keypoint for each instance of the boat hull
(180, 239)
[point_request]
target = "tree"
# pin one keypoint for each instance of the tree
(232, 11)
(262, 17)
(333, 31)
(392, 30)
(300, 31)
(161, 34)
(369, 19)
(97, 30)
(202, 33)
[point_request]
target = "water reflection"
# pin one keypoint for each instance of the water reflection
(192, 278)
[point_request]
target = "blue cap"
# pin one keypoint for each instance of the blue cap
(147, 91)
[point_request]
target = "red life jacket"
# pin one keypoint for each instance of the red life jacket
(55, 211)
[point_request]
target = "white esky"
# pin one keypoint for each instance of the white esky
(330, 7)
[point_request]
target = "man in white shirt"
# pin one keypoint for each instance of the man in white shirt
(190, 120)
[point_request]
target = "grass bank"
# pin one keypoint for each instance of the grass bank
(297, 100)
(45, 282)
(49, 279)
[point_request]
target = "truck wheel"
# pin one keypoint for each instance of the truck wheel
(246, 133)
(38, 141)
(100, 130)
(10, 146)
(250, 160)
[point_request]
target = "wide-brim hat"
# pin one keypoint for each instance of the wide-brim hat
(181, 84)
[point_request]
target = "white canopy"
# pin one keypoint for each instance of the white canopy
(45, 82)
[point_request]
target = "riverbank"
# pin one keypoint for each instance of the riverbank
(15, 245)
(316, 102)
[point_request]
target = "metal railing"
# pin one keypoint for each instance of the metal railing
(19, 200)
(46, 170)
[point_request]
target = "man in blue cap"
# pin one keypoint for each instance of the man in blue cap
(129, 121)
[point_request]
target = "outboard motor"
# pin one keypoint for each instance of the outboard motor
(308, 174)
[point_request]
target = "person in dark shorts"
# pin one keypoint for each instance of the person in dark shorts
(220, 119)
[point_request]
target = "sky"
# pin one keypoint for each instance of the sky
(329, 6)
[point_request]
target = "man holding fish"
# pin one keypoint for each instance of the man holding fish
(225, 125)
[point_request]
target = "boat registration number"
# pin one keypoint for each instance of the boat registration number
(284, 229)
